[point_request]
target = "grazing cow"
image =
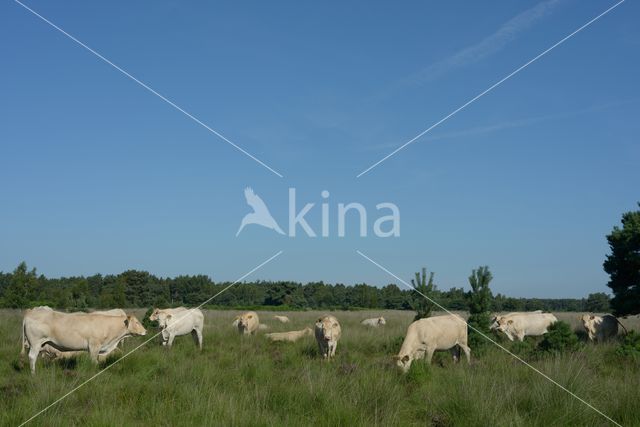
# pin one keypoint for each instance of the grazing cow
(520, 325)
(601, 328)
(281, 319)
(179, 321)
(425, 336)
(249, 323)
(375, 322)
(291, 336)
(328, 333)
(98, 334)
(53, 353)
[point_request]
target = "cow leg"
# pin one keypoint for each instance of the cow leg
(94, 350)
(198, 336)
(170, 340)
(429, 354)
(455, 352)
(34, 351)
(333, 348)
(467, 351)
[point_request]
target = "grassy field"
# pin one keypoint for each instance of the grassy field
(249, 381)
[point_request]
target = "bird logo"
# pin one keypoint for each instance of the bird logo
(260, 214)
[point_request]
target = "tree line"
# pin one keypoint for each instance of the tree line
(24, 288)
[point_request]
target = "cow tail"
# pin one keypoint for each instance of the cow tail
(620, 323)
(23, 343)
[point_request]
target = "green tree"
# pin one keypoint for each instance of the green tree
(623, 265)
(22, 287)
(422, 301)
(598, 303)
(479, 305)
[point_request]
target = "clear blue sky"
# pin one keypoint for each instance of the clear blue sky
(98, 175)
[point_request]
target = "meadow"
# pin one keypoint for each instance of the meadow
(249, 381)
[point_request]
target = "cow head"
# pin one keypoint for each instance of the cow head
(329, 327)
(590, 322)
(134, 326)
(403, 362)
(381, 321)
(495, 323)
(245, 320)
(154, 315)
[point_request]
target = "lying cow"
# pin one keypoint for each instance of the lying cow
(375, 322)
(425, 336)
(98, 334)
(248, 323)
(53, 353)
(328, 334)
(291, 336)
(601, 328)
(520, 325)
(179, 321)
(281, 319)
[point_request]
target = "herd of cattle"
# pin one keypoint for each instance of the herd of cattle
(60, 335)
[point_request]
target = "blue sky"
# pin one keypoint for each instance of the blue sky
(99, 175)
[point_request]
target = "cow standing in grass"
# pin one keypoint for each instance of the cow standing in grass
(601, 328)
(179, 321)
(249, 323)
(520, 325)
(425, 336)
(328, 332)
(96, 333)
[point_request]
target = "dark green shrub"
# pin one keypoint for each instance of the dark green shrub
(630, 346)
(560, 339)
(147, 323)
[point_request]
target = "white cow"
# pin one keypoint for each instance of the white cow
(281, 319)
(520, 325)
(375, 322)
(328, 334)
(601, 328)
(179, 321)
(291, 336)
(53, 353)
(96, 333)
(248, 323)
(263, 327)
(425, 336)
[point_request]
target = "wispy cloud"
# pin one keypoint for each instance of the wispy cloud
(509, 124)
(490, 45)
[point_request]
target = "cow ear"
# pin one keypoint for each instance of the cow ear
(319, 320)
(405, 358)
(126, 321)
(335, 325)
(510, 322)
(592, 317)
(169, 316)
(250, 316)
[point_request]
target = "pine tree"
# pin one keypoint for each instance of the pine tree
(424, 288)
(479, 305)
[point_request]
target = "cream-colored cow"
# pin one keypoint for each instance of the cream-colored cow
(425, 336)
(249, 323)
(601, 328)
(520, 325)
(328, 332)
(53, 353)
(375, 322)
(281, 319)
(179, 321)
(291, 336)
(98, 334)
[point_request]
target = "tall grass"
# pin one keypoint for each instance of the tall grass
(242, 381)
